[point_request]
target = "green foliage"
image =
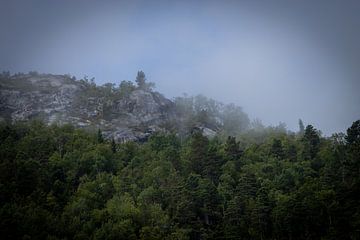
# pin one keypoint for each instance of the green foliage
(200, 111)
(353, 133)
(103, 97)
(234, 120)
(57, 182)
(125, 88)
(141, 81)
(311, 141)
(301, 127)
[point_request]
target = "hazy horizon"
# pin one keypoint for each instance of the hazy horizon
(278, 60)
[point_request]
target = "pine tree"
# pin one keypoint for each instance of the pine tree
(212, 165)
(198, 152)
(140, 79)
(113, 145)
(100, 138)
(141, 82)
(353, 133)
(233, 151)
(312, 141)
(301, 127)
(277, 149)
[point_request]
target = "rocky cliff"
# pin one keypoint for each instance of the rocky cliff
(124, 114)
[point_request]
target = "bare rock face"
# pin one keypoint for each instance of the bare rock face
(60, 99)
(25, 97)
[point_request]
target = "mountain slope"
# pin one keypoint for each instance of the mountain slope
(127, 115)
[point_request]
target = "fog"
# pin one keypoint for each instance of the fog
(279, 60)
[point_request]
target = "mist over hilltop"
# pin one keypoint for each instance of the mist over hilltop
(280, 61)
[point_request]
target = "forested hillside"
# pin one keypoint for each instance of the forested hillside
(60, 182)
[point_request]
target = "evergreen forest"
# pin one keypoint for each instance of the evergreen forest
(59, 182)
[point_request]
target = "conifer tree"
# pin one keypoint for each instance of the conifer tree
(100, 137)
(140, 79)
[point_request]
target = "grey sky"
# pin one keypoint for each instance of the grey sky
(279, 60)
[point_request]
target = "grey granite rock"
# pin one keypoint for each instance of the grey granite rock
(60, 99)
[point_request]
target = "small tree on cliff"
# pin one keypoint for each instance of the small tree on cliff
(141, 81)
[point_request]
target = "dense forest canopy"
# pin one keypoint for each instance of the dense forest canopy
(59, 182)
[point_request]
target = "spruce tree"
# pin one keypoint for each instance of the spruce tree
(100, 138)
(140, 79)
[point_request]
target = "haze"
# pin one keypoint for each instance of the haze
(279, 60)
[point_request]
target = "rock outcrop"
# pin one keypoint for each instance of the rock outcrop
(60, 99)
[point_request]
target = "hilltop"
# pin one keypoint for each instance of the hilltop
(125, 112)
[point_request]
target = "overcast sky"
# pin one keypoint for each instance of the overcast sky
(279, 60)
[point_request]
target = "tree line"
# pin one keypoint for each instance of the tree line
(58, 182)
